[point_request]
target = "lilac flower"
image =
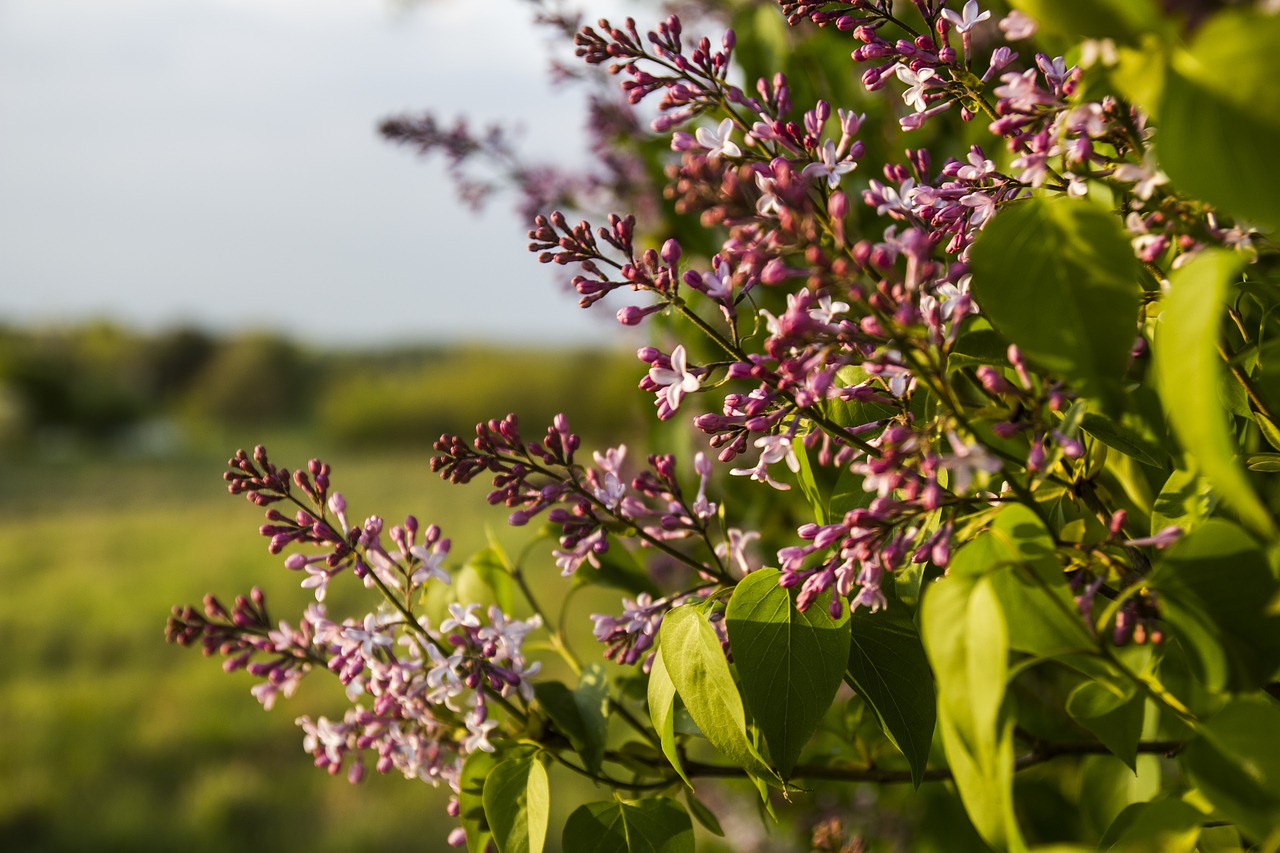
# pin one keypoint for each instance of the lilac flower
(773, 449)
(677, 380)
(979, 166)
(917, 82)
(832, 167)
(1163, 539)
(1017, 26)
(968, 19)
(717, 141)
(1145, 177)
(964, 461)
(734, 549)
(827, 309)
(612, 490)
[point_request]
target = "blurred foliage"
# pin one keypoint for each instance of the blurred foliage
(99, 385)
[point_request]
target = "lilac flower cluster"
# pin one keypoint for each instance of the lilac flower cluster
(423, 696)
(863, 325)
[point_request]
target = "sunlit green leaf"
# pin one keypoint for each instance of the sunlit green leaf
(517, 803)
(1236, 764)
(662, 712)
(790, 662)
(1214, 587)
(698, 669)
(1058, 278)
(1220, 96)
(1167, 826)
(1188, 367)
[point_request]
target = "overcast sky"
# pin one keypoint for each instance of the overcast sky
(216, 162)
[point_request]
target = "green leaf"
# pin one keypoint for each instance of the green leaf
(889, 669)
(963, 630)
(698, 669)
(809, 482)
(1220, 96)
(1166, 826)
(1116, 719)
(790, 662)
(1123, 21)
(1214, 587)
(485, 579)
(1018, 553)
(702, 814)
(580, 714)
(851, 413)
(662, 712)
(1058, 278)
(1185, 500)
(516, 804)
(1122, 438)
(1267, 463)
(475, 770)
(1188, 368)
(1236, 764)
(979, 346)
(654, 825)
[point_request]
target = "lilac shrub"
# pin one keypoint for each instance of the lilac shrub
(958, 455)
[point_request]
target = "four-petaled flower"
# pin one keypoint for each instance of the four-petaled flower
(677, 379)
(966, 20)
(717, 141)
(831, 167)
(917, 82)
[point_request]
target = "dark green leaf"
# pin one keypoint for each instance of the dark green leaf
(1268, 463)
(1058, 278)
(702, 814)
(1214, 587)
(1167, 826)
(1114, 718)
(655, 825)
(1221, 96)
(888, 668)
(1236, 764)
(1188, 368)
(579, 714)
(698, 669)
(1184, 501)
(1122, 438)
(979, 346)
(790, 662)
(516, 804)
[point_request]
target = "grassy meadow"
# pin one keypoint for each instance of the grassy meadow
(112, 739)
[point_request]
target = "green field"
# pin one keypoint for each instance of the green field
(111, 739)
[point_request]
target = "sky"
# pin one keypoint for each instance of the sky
(216, 162)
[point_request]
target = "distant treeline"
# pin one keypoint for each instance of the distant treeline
(101, 383)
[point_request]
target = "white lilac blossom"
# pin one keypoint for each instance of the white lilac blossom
(718, 142)
(676, 380)
(968, 18)
(832, 167)
(773, 449)
(1017, 26)
(917, 82)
